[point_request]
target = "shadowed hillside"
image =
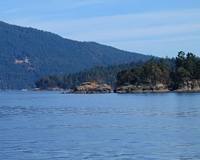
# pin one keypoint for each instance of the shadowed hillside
(26, 54)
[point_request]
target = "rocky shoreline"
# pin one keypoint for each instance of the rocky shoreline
(142, 89)
(187, 87)
(101, 88)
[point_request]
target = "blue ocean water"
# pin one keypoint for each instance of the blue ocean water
(54, 126)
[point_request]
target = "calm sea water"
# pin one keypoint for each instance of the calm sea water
(53, 126)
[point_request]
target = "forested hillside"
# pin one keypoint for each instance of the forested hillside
(181, 73)
(99, 74)
(27, 54)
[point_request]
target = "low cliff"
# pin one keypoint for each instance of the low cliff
(189, 86)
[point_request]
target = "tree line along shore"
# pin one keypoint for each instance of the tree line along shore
(180, 74)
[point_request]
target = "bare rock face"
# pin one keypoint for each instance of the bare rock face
(142, 88)
(92, 87)
(190, 86)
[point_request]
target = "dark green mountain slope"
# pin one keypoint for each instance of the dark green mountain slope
(26, 54)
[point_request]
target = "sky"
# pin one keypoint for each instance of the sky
(156, 27)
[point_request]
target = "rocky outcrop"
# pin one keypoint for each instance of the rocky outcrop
(142, 88)
(186, 86)
(189, 86)
(92, 87)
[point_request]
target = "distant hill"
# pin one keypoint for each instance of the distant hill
(26, 54)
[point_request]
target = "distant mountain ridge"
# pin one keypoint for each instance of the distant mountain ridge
(26, 54)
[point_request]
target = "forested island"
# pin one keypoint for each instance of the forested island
(181, 74)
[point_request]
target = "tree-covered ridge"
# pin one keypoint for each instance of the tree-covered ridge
(172, 73)
(98, 74)
(152, 72)
(27, 54)
(187, 68)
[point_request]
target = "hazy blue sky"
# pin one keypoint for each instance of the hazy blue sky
(158, 27)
